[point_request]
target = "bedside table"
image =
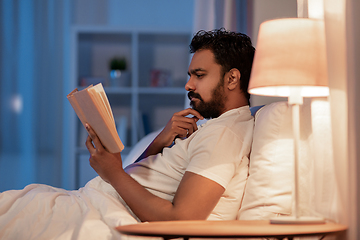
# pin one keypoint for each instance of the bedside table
(229, 229)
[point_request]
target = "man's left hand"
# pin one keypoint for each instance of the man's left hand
(106, 164)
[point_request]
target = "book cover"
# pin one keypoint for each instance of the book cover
(92, 106)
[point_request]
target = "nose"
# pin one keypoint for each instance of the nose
(189, 86)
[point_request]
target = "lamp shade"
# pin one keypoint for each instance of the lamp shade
(290, 55)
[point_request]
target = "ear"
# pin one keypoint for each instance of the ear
(233, 79)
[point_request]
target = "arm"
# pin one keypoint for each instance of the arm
(195, 197)
(178, 126)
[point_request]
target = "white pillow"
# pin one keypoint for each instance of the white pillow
(268, 189)
(139, 148)
(268, 192)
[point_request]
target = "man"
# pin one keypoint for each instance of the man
(202, 176)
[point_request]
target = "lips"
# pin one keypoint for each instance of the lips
(192, 96)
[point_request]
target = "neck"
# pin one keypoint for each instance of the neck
(235, 101)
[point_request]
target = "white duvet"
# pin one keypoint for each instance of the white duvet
(44, 212)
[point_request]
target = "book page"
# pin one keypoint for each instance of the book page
(103, 107)
(102, 99)
(76, 106)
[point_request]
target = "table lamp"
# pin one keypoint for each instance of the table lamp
(290, 61)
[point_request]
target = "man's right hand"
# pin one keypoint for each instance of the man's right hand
(180, 125)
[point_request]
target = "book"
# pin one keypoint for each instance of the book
(92, 106)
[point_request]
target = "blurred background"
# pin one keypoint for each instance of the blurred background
(137, 49)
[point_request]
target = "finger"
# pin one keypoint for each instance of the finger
(190, 128)
(194, 125)
(190, 120)
(195, 113)
(181, 133)
(89, 145)
(185, 129)
(188, 123)
(95, 139)
(190, 131)
(191, 111)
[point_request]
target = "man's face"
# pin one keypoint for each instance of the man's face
(206, 85)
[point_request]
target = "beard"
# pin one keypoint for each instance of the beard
(215, 107)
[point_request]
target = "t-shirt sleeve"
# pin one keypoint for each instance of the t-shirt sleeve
(215, 154)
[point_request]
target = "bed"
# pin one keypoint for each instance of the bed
(42, 212)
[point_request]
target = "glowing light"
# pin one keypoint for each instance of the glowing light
(316, 9)
(16, 103)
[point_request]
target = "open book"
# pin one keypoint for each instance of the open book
(92, 106)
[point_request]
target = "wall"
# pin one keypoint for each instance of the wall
(135, 13)
(264, 10)
(343, 36)
(352, 18)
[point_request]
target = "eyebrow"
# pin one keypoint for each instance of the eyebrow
(194, 71)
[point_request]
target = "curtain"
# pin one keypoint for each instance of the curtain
(231, 15)
(342, 35)
(334, 16)
(34, 66)
(17, 95)
(353, 58)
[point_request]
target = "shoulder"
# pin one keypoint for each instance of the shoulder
(237, 121)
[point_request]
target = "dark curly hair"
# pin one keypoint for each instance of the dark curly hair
(231, 50)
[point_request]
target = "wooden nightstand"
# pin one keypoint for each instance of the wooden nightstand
(229, 229)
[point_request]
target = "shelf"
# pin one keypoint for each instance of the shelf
(164, 90)
(145, 90)
(118, 90)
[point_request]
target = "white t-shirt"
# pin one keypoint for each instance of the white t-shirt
(219, 150)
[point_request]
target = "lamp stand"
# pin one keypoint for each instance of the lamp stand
(295, 100)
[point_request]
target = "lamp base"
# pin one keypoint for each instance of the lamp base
(297, 220)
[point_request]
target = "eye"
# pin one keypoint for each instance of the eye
(199, 75)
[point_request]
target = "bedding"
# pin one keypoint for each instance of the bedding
(54, 213)
(92, 212)
(268, 191)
